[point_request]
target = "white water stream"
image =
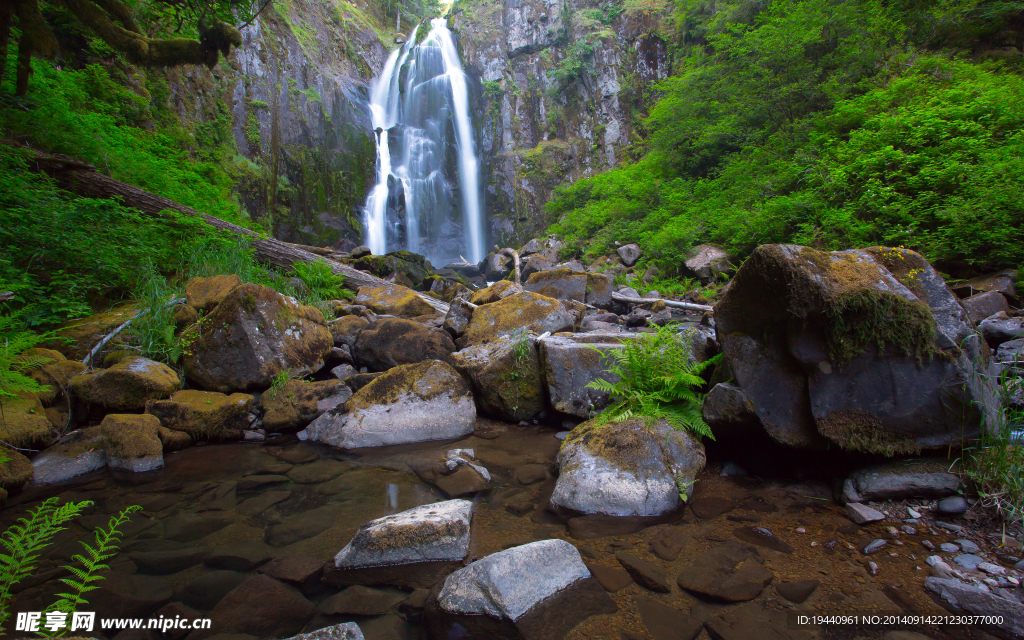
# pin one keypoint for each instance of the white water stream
(426, 152)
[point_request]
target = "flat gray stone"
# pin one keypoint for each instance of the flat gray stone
(980, 603)
(915, 478)
(967, 545)
(949, 547)
(968, 561)
(863, 514)
(432, 532)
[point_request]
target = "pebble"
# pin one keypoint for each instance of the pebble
(253, 436)
(913, 513)
(952, 506)
(907, 529)
(990, 582)
(967, 545)
(928, 544)
(991, 569)
(949, 547)
(874, 546)
(955, 528)
(814, 544)
(873, 568)
(892, 531)
(801, 530)
(1014, 581)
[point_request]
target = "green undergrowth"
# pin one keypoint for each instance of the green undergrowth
(658, 379)
(994, 463)
(829, 123)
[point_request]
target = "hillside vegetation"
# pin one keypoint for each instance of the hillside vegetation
(832, 123)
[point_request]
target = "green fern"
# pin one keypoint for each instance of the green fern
(13, 341)
(107, 541)
(658, 379)
(23, 542)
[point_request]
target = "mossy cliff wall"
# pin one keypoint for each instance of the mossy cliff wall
(563, 85)
(294, 98)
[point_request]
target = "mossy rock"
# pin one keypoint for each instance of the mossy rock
(254, 334)
(24, 423)
(185, 316)
(174, 440)
(203, 294)
(81, 335)
(524, 311)
(127, 385)
(506, 377)
(298, 402)
(16, 471)
(393, 300)
(132, 442)
(563, 284)
(497, 291)
(393, 341)
(204, 415)
(78, 453)
(410, 265)
(55, 375)
(346, 330)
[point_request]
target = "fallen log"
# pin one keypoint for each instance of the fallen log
(688, 306)
(83, 179)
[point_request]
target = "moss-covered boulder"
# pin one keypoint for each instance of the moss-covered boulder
(568, 366)
(82, 335)
(523, 311)
(52, 371)
(630, 468)
(203, 294)
(204, 415)
(505, 376)
(298, 402)
(868, 350)
(599, 290)
(535, 264)
(563, 284)
(16, 471)
(411, 266)
(346, 330)
(497, 291)
(393, 300)
(408, 403)
(132, 442)
(127, 385)
(392, 342)
(78, 453)
(254, 334)
(24, 423)
(173, 440)
(457, 319)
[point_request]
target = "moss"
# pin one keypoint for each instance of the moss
(127, 385)
(16, 471)
(131, 436)
(860, 431)
(394, 300)
(203, 414)
(495, 292)
(409, 536)
(505, 316)
(426, 380)
(625, 444)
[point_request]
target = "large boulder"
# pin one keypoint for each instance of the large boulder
(392, 342)
(547, 248)
(77, 338)
(491, 599)
(132, 442)
(497, 265)
(1005, 612)
(568, 366)
(1000, 281)
(563, 284)
(914, 478)
(15, 472)
(408, 403)
(707, 262)
(78, 453)
(626, 468)
(497, 291)
(298, 402)
(599, 290)
(413, 548)
(203, 294)
(393, 300)
(729, 413)
(254, 334)
(534, 264)
(457, 319)
(54, 372)
(1001, 328)
(629, 254)
(984, 305)
(505, 376)
(204, 415)
(523, 311)
(346, 330)
(25, 424)
(833, 348)
(127, 385)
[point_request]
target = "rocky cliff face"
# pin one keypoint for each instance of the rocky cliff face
(562, 87)
(295, 95)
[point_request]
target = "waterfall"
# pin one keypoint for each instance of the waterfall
(427, 196)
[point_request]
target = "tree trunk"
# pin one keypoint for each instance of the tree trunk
(6, 16)
(80, 178)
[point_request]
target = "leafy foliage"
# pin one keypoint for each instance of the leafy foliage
(23, 542)
(818, 122)
(994, 464)
(658, 379)
(323, 284)
(13, 365)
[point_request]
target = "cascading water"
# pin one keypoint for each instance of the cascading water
(427, 197)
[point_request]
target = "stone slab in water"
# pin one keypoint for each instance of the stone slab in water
(797, 592)
(730, 572)
(611, 578)
(431, 537)
(490, 599)
(646, 574)
(299, 571)
(664, 622)
(303, 525)
(260, 606)
(358, 600)
(763, 538)
(164, 562)
(241, 557)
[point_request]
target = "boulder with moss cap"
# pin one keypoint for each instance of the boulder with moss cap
(497, 291)
(132, 442)
(127, 385)
(865, 349)
(16, 471)
(251, 336)
(393, 341)
(203, 294)
(53, 372)
(568, 366)
(298, 402)
(346, 330)
(629, 468)
(408, 403)
(204, 415)
(393, 300)
(25, 424)
(523, 311)
(563, 284)
(76, 454)
(413, 548)
(505, 376)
